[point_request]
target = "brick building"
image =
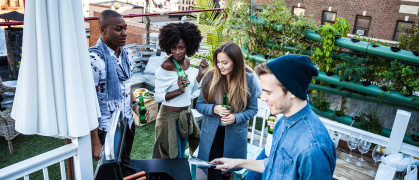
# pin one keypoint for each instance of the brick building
(379, 19)
(11, 5)
(135, 30)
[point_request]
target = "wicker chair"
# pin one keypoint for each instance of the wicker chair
(7, 124)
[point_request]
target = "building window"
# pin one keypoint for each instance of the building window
(399, 28)
(362, 25)
(17, 3)
(328, 17)
(298, 10)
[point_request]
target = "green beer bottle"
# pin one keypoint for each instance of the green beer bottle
(142, 110)
(225, 101)
(180, 72)
(272, 119)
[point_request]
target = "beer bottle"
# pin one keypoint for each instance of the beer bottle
(180, 72)
(225, 101)
(142, 110)
(272, 119)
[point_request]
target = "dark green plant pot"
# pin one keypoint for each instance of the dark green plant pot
(395, 49)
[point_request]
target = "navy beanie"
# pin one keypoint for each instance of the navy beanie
(294, 72)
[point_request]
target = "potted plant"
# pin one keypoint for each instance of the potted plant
(319, 101)
(353, 68)
(369, 121)
(341, 111)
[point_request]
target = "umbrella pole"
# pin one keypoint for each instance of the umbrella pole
(70, 165)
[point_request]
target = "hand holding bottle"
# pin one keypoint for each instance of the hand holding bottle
(221, 111)
(182, 83)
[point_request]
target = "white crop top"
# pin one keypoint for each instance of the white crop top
(166, 81)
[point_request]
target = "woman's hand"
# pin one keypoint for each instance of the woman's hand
(182, 83)
(222, 112)
(203, 67)
(227, 120)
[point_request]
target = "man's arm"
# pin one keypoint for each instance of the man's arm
(317, 163)
(96, 144)
(136, 106)
(227, 163)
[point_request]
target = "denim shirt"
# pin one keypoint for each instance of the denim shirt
(301, 149)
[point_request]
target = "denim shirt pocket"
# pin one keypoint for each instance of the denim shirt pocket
(285, 162)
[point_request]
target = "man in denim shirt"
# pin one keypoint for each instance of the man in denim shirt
(301, 147)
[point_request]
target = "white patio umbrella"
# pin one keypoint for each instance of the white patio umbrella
(55, 93)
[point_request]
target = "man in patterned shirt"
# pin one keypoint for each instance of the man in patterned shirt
(112, 70)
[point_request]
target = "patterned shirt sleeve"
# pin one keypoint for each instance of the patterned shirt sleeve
(97, 67)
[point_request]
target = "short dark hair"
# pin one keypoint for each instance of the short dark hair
(262, 69)
(170, 35)
(105, 15)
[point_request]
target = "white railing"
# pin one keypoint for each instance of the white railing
(394, 143)
(79, 149)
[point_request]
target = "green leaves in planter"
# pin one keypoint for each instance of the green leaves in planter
(319, 101)
(323, 56)
(404, 78)
(340, 112)
(369, 121)
(353, 68)
(342, 26)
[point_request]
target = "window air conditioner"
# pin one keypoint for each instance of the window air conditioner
(360, 32)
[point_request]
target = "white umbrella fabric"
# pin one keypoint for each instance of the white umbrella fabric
(55, 93)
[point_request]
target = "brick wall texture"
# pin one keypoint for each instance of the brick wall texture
(384, 13)
(135, 31)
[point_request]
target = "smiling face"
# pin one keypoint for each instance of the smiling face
(114, 34)
(224, 63)
(278, 100)
(179, 50)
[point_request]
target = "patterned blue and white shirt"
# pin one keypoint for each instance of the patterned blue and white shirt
(99, 76)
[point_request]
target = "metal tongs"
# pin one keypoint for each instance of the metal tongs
(201, 163)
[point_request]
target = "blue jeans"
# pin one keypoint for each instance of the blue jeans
(252, 175)
(181, 143)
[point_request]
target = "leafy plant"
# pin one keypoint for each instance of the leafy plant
(369, 121)
(403, 78)
(410, 37)
(319, 101)
(342, 26)
(353, 68)
(323, 56)
(257, 28)
(341, 111)
(211, 25)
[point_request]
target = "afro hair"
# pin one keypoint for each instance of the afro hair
(171, 34)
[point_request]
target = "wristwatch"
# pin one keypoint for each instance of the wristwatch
(133, 103)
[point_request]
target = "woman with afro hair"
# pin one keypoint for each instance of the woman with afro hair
(175, 123)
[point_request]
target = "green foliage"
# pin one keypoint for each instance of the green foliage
(319, 101)
(409, 39)
(211, 26)
(403, 78)
(245, 27)
(323, 56)
(353, 68)
(341, 110)
(342, 26)
(369, 121)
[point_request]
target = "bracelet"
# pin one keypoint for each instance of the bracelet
(133, 103)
